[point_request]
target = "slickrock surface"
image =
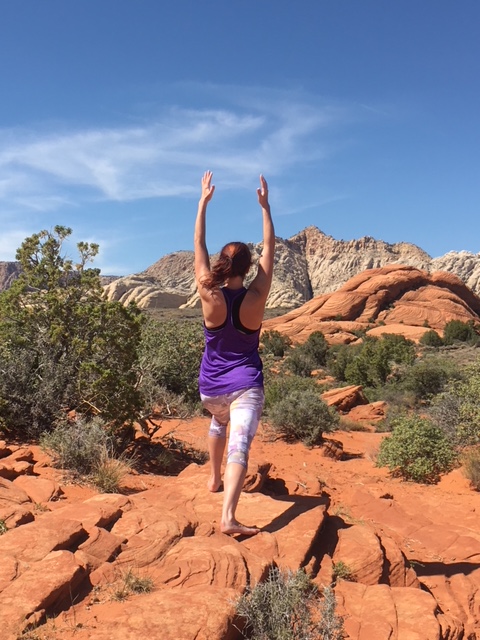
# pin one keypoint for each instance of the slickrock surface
(413, 550)
(399, 299)
(144, 291)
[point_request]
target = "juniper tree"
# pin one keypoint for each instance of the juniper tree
(64, 346)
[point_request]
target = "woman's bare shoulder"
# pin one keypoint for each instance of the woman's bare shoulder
(252, 309)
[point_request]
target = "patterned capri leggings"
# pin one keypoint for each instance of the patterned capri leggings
(243, 408)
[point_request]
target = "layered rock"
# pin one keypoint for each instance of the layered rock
(464, 264)
(82, 552)
(312, 263)
(308, 264)
(144, 291)
(396, 298)
(8, 272)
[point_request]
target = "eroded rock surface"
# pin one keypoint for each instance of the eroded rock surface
(84, 551)
(396, 298)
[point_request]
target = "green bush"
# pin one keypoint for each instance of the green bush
(317, 347)
(275, 343)
(457, 409)
(170, 353)
(375, 359)
(339, 357)
(416, 450)
(300, 363)
(427, 377)
(458, 331)
(62, 345)
(310, 355)
(431, 339)
(277, 387)
(296, 411)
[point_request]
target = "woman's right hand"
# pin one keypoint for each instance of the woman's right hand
(207, 187)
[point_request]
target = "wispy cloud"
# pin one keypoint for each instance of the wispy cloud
(10, 241)
(161, 157)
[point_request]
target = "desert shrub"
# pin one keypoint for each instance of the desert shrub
(471, 466)
(281, 608)
(331, 625)
(317, 347)
(339, 357)
(375, 359)
(444, 411)
(458, 331)
(310, 355)
(300, 363)
(132, 583)
(416, 450)
(78, 445)
(275, 343)
(302, 415)
(394, 393)
(169, 358)
(278, 608)
(457, 409)
(89, 449)
(431, 339)
(62, 345)
(278, 387)
(427, 377)
(342, 571)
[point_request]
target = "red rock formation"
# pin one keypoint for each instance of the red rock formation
(395, 298)
(394, 538)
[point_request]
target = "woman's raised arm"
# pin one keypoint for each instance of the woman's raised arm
(263, 280)
(202, 260)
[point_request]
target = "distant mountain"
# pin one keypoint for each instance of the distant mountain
(8, 272)
(308, 264)
(11, 270)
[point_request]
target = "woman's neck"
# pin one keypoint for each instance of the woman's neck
(236, 282)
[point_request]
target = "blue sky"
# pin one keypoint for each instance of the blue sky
(362, 114)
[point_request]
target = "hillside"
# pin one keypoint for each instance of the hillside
(308, 264)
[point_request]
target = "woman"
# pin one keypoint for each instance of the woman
(231, 379)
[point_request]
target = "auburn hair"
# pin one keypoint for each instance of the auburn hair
(235, 259)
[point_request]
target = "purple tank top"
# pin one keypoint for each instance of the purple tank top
(230, 361)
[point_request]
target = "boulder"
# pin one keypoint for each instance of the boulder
(344, 398)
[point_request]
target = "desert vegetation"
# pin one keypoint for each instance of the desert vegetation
(287, 606)
(79, 370)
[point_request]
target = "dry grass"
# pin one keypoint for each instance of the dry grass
(131, 583)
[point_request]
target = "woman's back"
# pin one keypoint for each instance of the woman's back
(231, 360)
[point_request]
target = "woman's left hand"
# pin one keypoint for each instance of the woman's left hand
(207, 187)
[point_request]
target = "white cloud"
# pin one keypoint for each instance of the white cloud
(162, 157)
(10, 241)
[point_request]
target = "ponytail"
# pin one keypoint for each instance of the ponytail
(235, 259)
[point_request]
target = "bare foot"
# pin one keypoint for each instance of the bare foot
(213, 484)
(237, 528)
